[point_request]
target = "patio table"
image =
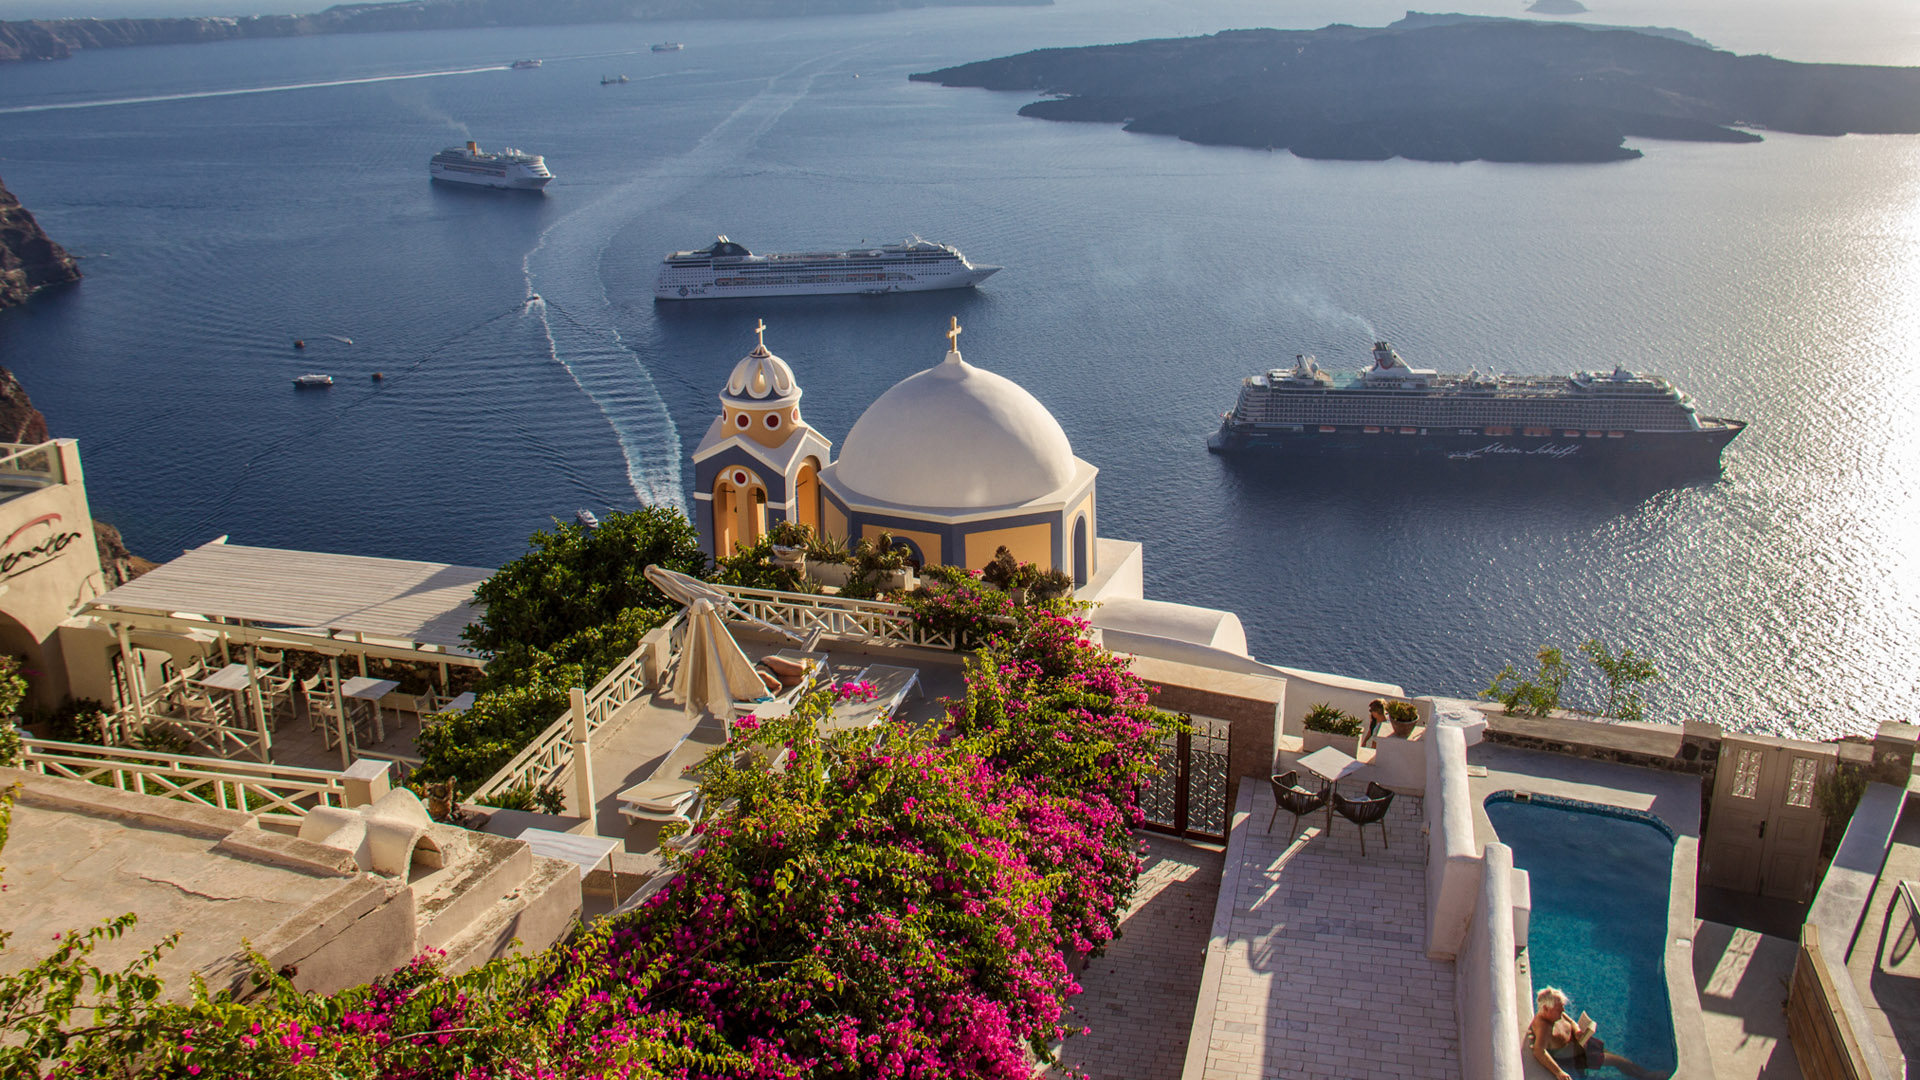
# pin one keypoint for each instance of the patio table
(233, 680)
(458, 703)
(370, 690)
(585, 852)
(1331, 764)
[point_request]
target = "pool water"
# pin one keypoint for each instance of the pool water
(1600, 878)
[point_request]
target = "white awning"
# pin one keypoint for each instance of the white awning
(314, 594)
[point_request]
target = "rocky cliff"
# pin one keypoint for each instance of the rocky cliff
(28, 259)
(56, 39)
(1449, 88)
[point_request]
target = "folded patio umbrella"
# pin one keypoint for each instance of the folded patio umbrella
(714, 673)
(687, 589)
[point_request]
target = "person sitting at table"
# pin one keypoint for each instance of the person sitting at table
(1557, 1043)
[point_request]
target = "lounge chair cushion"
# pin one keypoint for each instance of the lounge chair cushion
(788, 670)
(661, 796)
(773, 682)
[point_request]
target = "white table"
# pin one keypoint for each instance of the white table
(232, 677)
(1331, 764)
(585, 852)
(458, 703)
(369, 690)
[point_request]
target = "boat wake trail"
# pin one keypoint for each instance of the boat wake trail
(566, 293)
(242, 91)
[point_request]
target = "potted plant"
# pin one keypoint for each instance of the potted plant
(1328, 726)
(1403, 716)
(1053, 584)
(828, 560)
(1021, 579)
(790, 540)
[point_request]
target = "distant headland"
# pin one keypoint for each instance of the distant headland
(29, 259)
(1449, 88)
(57, 39)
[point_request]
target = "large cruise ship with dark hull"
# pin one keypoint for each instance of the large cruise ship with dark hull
(1392, 410)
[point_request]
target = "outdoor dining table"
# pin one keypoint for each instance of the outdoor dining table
(370, 690)
(1331, 764)
(233, 680)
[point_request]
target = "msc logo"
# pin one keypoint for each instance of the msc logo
(36, 543)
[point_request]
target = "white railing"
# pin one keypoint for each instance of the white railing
(833, 616)
(275, 792)
(549, 758)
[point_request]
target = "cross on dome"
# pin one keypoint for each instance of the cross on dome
(760, 338)
(953, 335)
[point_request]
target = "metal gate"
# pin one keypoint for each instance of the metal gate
(1189, 795)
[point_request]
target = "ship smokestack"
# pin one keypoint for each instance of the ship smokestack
(472, 147)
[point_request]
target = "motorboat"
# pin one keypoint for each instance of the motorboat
(308, 382)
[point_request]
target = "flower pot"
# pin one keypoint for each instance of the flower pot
(1346, 744)
(790, 558)
(832, 575)
(1403, 728)
(1019, 595)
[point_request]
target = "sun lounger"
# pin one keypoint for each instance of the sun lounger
(891, 686)
(782, 703)
(1910, 892)
(671, 792)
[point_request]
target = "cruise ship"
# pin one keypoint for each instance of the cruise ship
(729, 269)
(1392, 410)
(502, 169)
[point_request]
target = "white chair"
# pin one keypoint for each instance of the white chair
(891, 685)
(672, 791)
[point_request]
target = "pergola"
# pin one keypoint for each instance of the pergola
(334, 605)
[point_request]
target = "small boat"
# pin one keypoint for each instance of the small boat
(305, 382)
(524, 65)
(585, 517)
(668, 46)
(299, 344)
(609, 80)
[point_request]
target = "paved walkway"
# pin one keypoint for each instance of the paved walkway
(1885, 960)
(1138, 998)
(1324, 949)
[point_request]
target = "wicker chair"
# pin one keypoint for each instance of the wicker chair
(1288, 795)
(1371, 810)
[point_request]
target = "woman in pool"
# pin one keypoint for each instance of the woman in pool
(1556, 1044)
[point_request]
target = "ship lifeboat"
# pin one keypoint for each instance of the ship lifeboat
(1536, 432)
(1595, 434)
(1326, 429)
(1407, 431)
(1616, 434)
(1573, 434)
(1371, 430)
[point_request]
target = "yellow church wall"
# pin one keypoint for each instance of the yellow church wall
(1029, 543)
(929, 543)
(757, 429)
(833, 519)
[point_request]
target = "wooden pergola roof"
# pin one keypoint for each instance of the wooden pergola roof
(351, 602)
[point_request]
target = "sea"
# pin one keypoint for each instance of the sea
(229, 199)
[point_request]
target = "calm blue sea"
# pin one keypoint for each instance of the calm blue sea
(230, 198)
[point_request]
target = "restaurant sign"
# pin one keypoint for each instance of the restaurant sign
(34, 544)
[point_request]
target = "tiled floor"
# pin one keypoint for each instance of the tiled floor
(1326, 975)
(1138, 998)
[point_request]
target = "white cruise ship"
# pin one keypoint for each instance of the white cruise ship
(729, 269)
(502, 169)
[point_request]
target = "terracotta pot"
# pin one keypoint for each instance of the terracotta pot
(1403, 728)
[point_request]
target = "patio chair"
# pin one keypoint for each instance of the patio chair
(1288, 795)
(672, 791)
(1371, 810)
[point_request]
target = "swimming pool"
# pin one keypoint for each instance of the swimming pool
(1600, 877)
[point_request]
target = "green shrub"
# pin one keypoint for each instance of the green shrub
(1403, 712)
(1328, 720)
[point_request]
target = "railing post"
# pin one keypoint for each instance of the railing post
(365, 781)
(582, 753)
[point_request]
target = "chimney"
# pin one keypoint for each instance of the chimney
(472, 147)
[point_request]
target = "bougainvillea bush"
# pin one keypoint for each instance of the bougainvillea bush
(882, 903)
